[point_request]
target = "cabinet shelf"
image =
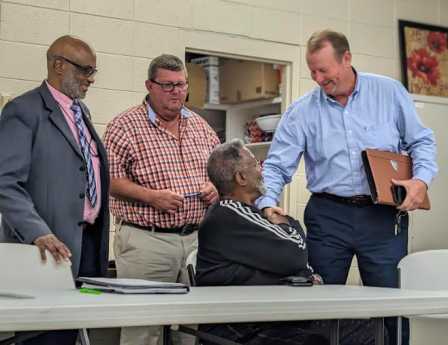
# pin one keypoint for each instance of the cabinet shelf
(234, 117)
(256, 145)
(246, 105)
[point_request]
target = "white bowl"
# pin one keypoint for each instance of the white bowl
(268, 123)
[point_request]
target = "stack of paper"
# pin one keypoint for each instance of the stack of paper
(132, 286)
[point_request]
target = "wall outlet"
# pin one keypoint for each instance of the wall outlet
(5, 98)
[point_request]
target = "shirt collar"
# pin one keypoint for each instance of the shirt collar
(358, 83)
(355, 92)
(61, 98)
(152, 114)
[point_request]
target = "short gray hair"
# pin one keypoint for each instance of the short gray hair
(336, 38)
(165, 61)
(222, 165)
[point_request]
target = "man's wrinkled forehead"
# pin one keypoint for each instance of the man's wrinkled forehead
(245, 149)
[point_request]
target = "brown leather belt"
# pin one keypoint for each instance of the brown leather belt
(183, 230)
(357, 200)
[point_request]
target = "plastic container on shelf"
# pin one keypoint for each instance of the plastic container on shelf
(268, 123)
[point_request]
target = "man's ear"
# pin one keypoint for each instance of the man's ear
(240, 178)
(148, 84)
(347, 58)
(58, 66)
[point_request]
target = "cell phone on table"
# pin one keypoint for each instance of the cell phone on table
(296, 281)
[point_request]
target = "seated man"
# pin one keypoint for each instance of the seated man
(238, 245)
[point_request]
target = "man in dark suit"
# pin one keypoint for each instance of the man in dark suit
(54, 176)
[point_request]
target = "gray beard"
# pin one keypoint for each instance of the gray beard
(261, 187)
(71, 87)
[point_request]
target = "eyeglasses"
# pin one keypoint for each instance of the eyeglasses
(168, 87)
(86, 70)
(257, 164)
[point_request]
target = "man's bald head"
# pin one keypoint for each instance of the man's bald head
(70, 47)
(71, 64)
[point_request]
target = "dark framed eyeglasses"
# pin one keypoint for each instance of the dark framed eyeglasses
(168, 87)
(87, 71)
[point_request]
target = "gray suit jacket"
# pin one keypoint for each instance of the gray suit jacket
(43, 178)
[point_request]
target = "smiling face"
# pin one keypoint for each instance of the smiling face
(167, 104)
(331, 75)
(252, 167)
(73, 82)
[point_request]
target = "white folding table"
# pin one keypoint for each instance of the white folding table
(69, 309)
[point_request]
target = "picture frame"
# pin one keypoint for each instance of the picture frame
(424, 58)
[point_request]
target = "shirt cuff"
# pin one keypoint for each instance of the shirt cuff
(424, 175)
(116, 174)
(265, 201)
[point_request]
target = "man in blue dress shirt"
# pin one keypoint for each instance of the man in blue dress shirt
(331, 125)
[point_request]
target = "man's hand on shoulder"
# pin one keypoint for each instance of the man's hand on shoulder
(276, 215)
(279, 219)
(268, 211)
(209, 194)
(58, 249)
(167, 201)
(415, 193)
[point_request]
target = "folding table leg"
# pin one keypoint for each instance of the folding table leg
(334, 332)
(399, 330)
(84, 337)
(379, 331)
(167, 335)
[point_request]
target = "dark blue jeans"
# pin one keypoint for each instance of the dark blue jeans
(337, 231)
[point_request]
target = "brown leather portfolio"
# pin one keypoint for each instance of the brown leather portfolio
(380, 168)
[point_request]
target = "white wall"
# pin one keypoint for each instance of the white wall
(127, 34)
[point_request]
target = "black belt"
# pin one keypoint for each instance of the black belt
(357, 200)
(182, 230)
(86, 226)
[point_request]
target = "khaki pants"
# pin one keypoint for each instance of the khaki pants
(153, 256)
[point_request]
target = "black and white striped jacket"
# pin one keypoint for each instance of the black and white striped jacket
(238, 245)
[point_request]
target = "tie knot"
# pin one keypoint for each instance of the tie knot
(75, 106)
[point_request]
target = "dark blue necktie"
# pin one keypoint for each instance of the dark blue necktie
(85, 147)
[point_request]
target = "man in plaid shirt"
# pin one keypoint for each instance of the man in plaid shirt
(158, 153)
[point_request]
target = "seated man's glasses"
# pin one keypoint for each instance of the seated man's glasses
(257, 164)
(87, 71)
(168, 87)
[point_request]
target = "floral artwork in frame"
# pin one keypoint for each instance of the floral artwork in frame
(424, 58)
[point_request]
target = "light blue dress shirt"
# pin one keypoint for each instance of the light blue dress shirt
(380, 114)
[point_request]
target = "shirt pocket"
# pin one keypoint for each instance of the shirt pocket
(382, 136)
(200, 150)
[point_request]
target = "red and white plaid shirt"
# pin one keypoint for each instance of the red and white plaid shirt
(140, 148)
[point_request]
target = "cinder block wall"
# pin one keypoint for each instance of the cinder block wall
(127, 34)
